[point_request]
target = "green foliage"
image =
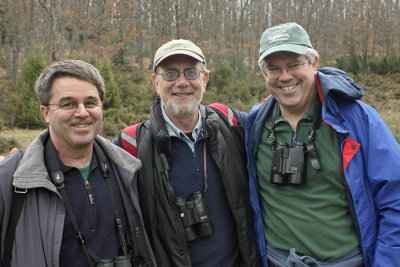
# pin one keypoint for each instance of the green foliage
(137, 90)
(356, 64)
(2, 24)
(353, 63)
(112, 98)
(137, 95)
(240, 94)
(119, 58)
(6, 107)
(386, 65)
(117, 119)
(222, 76)
(27, 108)
(241, 68)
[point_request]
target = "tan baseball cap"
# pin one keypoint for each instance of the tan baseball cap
(178, 47)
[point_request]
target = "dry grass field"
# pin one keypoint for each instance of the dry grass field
(383, 94)
(18, 137)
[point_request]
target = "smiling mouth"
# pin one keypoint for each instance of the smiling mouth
(182, 94)
(81, 125)
(288, 88)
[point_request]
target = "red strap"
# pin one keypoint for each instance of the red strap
(265, 99)
(128, 139)
(320, 94)
(228, 113)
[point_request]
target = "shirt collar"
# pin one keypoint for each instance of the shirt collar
(174, 131)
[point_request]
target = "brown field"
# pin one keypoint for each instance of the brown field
(22, 137)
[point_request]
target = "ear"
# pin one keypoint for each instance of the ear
(315, 64)
(206, 76)
(155, 83)
(45, 113)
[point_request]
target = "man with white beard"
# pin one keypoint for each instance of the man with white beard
(193, 187)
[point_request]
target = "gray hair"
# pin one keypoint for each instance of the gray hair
(69, 68)
(311, 54)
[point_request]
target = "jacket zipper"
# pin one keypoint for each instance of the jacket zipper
(91, 200)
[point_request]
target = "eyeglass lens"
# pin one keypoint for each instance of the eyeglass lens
(71, 104)
(172, 75)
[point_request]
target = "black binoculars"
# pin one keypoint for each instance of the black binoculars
(120, 261)
(287, 163)
(195, 216)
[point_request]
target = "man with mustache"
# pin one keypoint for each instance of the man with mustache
(81, 206)
(193, 187)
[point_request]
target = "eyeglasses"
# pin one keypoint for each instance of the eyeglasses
(172, 75)
(275, 72)
(71, 104)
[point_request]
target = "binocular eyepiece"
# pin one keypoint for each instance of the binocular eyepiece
(288, 164)
(195, 216)
(120, 261)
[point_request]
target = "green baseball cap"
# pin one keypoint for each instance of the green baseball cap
(289, 37)
(178, 47)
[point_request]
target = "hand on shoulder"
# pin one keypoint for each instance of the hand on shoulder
(11, 151)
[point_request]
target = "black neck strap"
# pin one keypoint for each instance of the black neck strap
(204, 134)
(56, 173)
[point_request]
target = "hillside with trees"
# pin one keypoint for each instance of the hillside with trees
(120, 37)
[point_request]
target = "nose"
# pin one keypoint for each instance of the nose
(182, 81)
(81, 111)
(285, 75)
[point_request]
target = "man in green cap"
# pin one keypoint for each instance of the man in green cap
(193, 184)
(323, 166)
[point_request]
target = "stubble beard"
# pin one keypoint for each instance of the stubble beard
(176, 111)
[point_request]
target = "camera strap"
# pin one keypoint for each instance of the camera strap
(317, 118)
(105, 168)
(203, 133)
(57, 176)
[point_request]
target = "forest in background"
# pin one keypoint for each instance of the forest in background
(120, 37)
(131, 30)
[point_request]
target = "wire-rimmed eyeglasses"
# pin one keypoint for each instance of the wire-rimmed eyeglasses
(172, 75)
(72, 104)
(275, 71)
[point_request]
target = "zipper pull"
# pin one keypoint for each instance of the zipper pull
(89, 192)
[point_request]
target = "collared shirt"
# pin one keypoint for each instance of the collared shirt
(312, 217)
(173, 130)
(186, 177)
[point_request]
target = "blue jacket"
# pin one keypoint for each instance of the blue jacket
(371, 164)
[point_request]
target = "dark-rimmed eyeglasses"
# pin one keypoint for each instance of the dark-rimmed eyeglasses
(71, 104)
(275, 72)
(172, 75)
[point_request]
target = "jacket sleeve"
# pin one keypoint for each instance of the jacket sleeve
(384, 172)
(381, 159)
(241, 117)
(7, 169)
